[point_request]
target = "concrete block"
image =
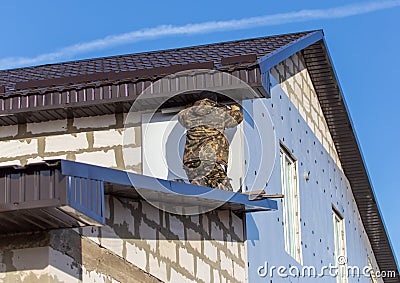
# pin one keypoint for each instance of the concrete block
(136, 255)
(34, 160)
(239, 272)
(158, 268)
(132, 155)
(314, 115)
(194, 239)
(14, 148)
(325, 143)
(167, 249)
(132, 136)
(107, 207)
(226, 262)
(152, 244)
(147, 232)
(314, 101)
(186, 260)
(62, 268)
(107, 138)
(304, 82)
(297, 88)
(216, 232)
(290, 66)
(306, 89)
(94, 122)
(11, 162)
(216, 276)
(295, 60)
(237, 225)
(205, 223)
(308, 78)
(8, 131)
(318, 134)
(150, 212)
(233, 247)
(322, 125)
(302, 111)
(311, 124)
(203, 270)
(223, 216)
(290, 84)
(22, 258)
(110, 240)
(195, 219)
(123, 216)
(56, 156)
(275, 74)
(132, 118)
(3, 270)
(176, 227)
(306, 103)
(66, 143)
(300, 62)
(47, 127)
(210, 250)
(243, 251)
(178, 277)
(281, 70)
(92, 276)
(100, 158)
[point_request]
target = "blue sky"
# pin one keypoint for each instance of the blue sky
(363, 40)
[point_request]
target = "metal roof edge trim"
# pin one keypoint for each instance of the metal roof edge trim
(358, 149)
(325, 46)
(269, 60)
(83, 170)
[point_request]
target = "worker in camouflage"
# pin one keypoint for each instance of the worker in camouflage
(205, 158)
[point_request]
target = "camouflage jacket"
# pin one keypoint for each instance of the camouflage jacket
(205, 122)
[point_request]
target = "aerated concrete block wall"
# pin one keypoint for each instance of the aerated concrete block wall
(62, 256)
(139, 243)
(95, 140)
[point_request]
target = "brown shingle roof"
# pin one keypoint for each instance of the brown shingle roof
(142, 61)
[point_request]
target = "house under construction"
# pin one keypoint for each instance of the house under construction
(92, 187)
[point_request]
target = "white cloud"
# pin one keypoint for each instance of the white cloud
(192, 29)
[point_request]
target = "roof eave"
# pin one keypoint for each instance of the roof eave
(346, 138)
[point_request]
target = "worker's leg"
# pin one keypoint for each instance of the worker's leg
(196, 171)
(217, 178)
(208, 174)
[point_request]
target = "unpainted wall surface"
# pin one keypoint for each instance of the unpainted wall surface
(174, 248)
(63, 256)
(139, 244)
(95, 140)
